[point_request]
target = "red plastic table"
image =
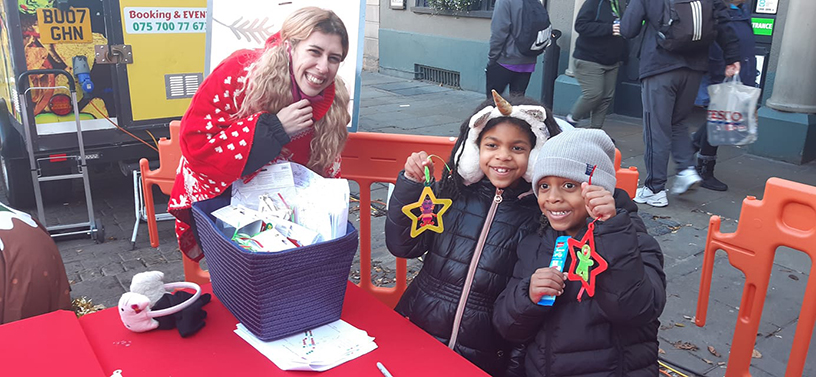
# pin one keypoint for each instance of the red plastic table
(216, 350)
(51, 344)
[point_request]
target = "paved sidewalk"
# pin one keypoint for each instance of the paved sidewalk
(388, 104)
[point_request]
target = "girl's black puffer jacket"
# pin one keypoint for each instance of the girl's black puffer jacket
(432, 298)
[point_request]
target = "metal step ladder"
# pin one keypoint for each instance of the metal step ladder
(93, 226)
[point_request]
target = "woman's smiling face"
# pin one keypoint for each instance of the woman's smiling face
(504, 151)
(315, 61)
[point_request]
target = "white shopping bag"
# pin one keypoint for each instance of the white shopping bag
(732, 117)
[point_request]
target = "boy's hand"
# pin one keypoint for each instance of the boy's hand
(415, 166)
(547, 281)
(599, 203)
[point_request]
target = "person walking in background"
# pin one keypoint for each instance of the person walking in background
(506, 64)
(599, 51)
(669, 83)
(740, 22)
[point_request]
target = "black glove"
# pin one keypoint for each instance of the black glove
(166, 322)
(189, 320)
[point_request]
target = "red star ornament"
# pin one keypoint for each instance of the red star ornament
(427, 205)
(599, 265)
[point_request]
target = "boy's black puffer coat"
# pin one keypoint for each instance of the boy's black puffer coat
(431, 300)
(613, 333)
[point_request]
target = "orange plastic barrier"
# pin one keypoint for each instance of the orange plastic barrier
(786, 216)
(164, 176)
(378, 157)
(375, 157)
(627, 179)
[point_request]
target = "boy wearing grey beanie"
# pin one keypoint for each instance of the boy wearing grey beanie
(574, 179)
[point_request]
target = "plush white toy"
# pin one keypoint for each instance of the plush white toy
(150, 284)
(134, 308)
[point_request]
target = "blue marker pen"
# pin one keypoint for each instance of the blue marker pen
(558, 259)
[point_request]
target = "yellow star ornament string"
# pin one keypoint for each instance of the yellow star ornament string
(429, 218)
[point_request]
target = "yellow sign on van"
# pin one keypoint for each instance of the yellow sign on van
(71, 26)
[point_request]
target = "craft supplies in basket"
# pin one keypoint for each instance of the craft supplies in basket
(278, 294)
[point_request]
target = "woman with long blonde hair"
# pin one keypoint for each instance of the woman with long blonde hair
(281, 102)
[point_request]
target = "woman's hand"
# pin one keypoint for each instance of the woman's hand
(546, 282)
(599, 202)
(415, 166)
(296, 117)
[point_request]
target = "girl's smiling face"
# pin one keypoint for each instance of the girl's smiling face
(504, 151)
(561, 201)
(315, 61)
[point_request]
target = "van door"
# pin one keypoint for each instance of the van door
(167, 40)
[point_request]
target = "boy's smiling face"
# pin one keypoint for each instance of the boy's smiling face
(561, 201)
(504, 151)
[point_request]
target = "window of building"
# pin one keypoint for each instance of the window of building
(476, 5)
(477, 8)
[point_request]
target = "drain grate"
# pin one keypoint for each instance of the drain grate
(436, 75)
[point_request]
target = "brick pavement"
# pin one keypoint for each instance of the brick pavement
(103, 271)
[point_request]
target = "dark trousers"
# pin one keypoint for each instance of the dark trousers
(700, 139)
(499, 77)
(668, 98)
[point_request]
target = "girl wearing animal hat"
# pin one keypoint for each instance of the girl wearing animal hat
(470, 262)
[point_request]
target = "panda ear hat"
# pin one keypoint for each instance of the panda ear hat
(468, 165)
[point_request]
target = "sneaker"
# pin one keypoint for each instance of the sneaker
(645, 195)
(571, 121)
(686, 180)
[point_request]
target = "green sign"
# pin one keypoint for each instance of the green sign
(763, 26)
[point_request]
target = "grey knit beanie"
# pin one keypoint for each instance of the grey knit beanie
(572, 154)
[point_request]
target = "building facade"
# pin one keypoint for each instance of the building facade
(450, 47)
(418, 41)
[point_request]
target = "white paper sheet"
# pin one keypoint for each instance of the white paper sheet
(318, 349)
(320, 204)
(270, 180)
(323, 207)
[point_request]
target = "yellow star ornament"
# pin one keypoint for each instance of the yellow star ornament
(427, 219)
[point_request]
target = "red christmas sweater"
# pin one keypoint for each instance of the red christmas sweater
(215, 144)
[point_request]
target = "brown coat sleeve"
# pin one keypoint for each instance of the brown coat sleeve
(32, 275)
